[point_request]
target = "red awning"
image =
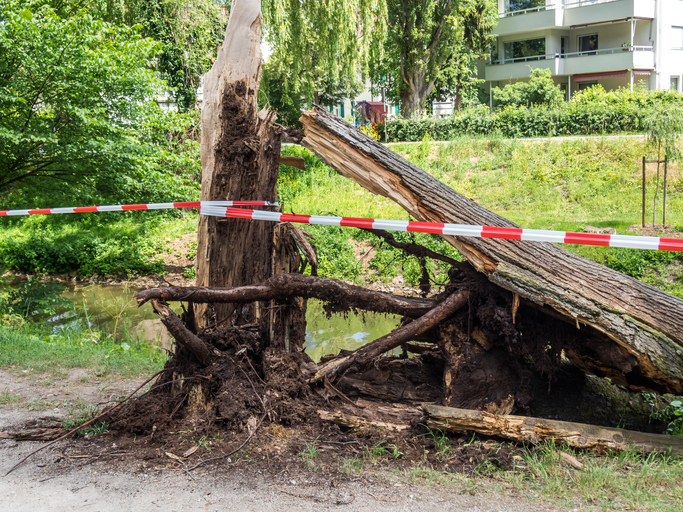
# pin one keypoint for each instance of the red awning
(589, 77)
(642, 72)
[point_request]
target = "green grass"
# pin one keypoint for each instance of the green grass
(118, 243)
(621, 481)
(39, 350)
(7, 397)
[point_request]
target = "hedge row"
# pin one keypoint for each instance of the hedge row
(516, 121)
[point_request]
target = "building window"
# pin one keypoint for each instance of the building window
(677, 38)
(586, 85)
(588, 44)
(520, 5)
(526, 48)
(674, 83)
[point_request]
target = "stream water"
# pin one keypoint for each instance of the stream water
(112, 309)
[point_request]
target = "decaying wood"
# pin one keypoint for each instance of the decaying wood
(644, 324)
(398, 336)
(240, 150)
(533, 430)
(36, 434)
(284, 286)
(391, 417)
(293, 161)
(204, 354)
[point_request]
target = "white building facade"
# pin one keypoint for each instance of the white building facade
(614, 43)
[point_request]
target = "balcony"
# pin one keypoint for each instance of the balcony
(596, 61)
(574, 13)
(586, 12)
(525, 20)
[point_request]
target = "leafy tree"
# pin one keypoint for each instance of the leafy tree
(75, 105)
(321, 50)
(189, 33)
(433, 42)
(539, 90)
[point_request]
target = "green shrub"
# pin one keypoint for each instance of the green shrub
(591, 112)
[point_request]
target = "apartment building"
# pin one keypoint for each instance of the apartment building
(614, 43)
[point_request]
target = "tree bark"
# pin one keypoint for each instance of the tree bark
(639, 326)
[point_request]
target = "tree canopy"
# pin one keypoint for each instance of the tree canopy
(76, 103)
(321, 50)
(429, 43)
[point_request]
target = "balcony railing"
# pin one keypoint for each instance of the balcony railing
(518, 12)
(605, 51)
(580, 3)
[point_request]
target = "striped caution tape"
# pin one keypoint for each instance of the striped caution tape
(129, 207)
(531, 235)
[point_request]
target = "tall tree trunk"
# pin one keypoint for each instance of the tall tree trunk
(458, 95)
(414, 95)
(633, 331)
(239, 151)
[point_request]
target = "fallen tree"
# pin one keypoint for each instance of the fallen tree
(494, 339)
(633, 332)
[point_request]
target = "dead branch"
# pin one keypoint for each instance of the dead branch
(182, 335)
(415, 249)
(283, 286)
(403, 334)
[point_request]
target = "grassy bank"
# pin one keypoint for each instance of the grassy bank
(564, 185)
(39, 349)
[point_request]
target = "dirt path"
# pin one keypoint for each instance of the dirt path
(59, 479)
(99, 474)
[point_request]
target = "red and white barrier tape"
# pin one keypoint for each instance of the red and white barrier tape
(531, 235)
(129, 207)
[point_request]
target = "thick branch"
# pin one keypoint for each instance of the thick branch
(283, 286)
(184, 337)
(396, 337)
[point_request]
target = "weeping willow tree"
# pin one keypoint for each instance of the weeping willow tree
(320, 49)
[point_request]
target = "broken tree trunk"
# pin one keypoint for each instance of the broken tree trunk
(240, 150)
(534, 430)
(633, 332)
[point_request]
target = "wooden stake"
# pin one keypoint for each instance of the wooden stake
(643, 191)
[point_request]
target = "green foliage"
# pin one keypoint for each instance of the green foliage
(123, 244)
(671, 414)
(320, 49)
(189, 34)
(591, 112)
(431, 43)
(664, 126)
(539, 90)
(37, 348)
(76, 114)
(33, 299)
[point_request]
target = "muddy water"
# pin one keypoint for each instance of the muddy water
(112, 309)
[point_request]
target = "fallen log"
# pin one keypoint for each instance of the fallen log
(638, 328)
(523, 429)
